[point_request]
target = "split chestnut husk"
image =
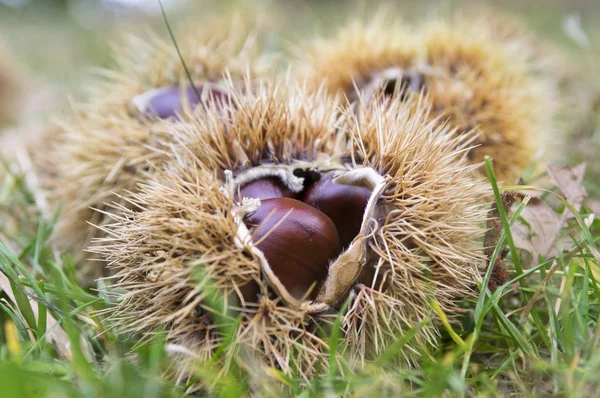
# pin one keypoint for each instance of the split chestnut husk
(286, 210)
(110, 144)
(475, 75)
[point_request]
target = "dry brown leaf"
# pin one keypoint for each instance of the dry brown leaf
(543, 226)
(570, 181)
(594, 205)
(542, 229)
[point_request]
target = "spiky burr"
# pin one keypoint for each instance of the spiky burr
(110, 142)
(475, 74)
(184, 241)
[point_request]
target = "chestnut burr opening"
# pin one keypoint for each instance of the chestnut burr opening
(301, 233)
(402, 86)
(393, 82)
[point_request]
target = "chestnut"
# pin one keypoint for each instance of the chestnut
(250, 291)
(402, 85)
(165, 102)
(265, 188)
(393, 82)
(343, 204)
(297, 240)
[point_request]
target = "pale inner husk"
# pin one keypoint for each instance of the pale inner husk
(344, 271)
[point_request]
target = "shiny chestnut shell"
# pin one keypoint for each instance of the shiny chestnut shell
(166, 102)
(300, 248)
(343, 204)
(265, 188)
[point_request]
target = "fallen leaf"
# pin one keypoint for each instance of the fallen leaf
(541, 227)
(570, 181)
(540, 231)
(594, 205)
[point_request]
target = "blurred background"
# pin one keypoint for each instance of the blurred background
(49, 48)
(59, 40)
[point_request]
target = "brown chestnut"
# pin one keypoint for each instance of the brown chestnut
(250, 291)
(265, 188)
(343, 204)
(297, 240)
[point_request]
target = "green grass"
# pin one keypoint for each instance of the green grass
(537, 334)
